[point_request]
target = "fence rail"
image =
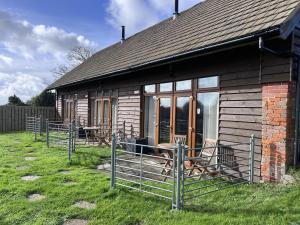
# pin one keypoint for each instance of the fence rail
(62, 135)
(175, 175)
(13, 118)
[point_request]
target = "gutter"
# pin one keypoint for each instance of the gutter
(173, 58)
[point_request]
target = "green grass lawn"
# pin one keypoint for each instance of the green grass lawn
(246, 204)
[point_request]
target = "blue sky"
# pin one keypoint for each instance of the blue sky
(36, 35)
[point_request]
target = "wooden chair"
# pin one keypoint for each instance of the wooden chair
(204, 158)
(168, 155)
(180, 139)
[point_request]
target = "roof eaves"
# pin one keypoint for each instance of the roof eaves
(290, 23)
(173, 57)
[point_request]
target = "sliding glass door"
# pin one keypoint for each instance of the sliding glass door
(164, 120)
(150, 119)
(207, 117)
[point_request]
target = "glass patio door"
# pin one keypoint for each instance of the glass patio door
(207, 117)
(150, 119)
(164, 120)
(182, 116)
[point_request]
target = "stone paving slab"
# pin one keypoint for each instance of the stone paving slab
(75, 222)
(35, 197)
(23, 167)
(85, 205)
(30, 158)
(30, 178)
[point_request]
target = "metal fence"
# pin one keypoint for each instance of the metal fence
(33, 124)
(62, 135)
(179, 174)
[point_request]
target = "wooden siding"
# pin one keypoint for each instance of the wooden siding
(240, 113)
(129, 109)
(13, 118)
(82, 110)
(59, 105)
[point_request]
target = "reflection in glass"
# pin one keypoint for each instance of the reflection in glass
(182, 116)
(165, 87)
(114, 115)
(207, 117)
(150, 118)
(92, 112)
(150, 88)
(208, 82)
(99, 113)
(183, 85)
(105, 113)
(164, 120)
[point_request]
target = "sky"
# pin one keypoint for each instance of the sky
(36, 36)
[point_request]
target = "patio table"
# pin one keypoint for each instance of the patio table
(88, 131)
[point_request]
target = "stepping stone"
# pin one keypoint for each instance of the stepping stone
(85, 205)
(22, 167)
(70, 183)
(105, 166)
(30, 153)
(75, 222)
(30, 178)
(64, 172)
(30, 158)
(35, 197)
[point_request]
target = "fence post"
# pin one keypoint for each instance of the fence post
(47, 132)
(124, 127)
(178, 177)
(34, 127)
(73, 136)
(26, 121)
(113, 161)
(70, 142)
(40, 127)
(251, 159)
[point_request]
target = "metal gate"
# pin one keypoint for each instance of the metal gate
(177, 174)
(33, 124)
(61, 135)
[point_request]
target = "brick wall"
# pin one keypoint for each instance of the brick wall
(277, 129)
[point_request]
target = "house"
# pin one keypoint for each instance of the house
(219, 70)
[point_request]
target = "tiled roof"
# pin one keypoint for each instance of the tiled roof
(206, 24)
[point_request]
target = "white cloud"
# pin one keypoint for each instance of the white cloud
(27, 39)
(5, 60)
(24, 85)
(139, 14)
(29, 52)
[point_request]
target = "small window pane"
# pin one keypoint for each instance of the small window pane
(208, 82)
(183, 85)
(166, 87)
(150, 88)
(106, 93)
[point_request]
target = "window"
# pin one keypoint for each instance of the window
(103, 109)
(150, 119)
(98, 113)
(207, 117)
(183, 85)
(208, 82)
(92, 113)
(166, 87)
(114, 115)
(150, 88)
(69, 110)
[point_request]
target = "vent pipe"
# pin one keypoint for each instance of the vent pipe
(176, 10)
(123, 34)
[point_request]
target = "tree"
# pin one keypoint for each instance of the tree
(43, 99)
(75, 57)
(15, 100)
